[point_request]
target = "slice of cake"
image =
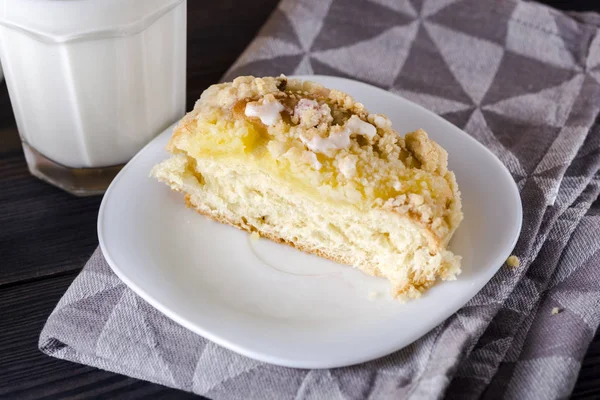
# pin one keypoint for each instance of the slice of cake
(308, 166)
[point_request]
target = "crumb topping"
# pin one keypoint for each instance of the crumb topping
(325, 140)
(308, 113)
(347, 166)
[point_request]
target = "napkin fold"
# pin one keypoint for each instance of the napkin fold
(521, 78)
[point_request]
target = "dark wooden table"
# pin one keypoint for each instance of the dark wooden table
(47, 235)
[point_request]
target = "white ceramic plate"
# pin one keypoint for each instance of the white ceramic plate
(275, 304)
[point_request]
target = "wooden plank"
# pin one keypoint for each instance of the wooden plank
(27, 373)
(44, 230)
(9, 139)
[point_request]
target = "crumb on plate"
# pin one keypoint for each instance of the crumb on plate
(556, 310)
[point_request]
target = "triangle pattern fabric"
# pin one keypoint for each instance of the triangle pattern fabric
(306, 18)
(569, 281)
(417, 4)
(343, 26)
(381, 56)
(591, 145)
(431, 7)
(320, 68)
(563, 150)
(470, 321)
(266, 48)
(284, 32)
(518, 75)
(478, 128)
(438, 105)
(323, 379)
(127, 332)
(426, 71)
(351, 387)
(586, 107)
(179, 348)
(474, 69)
(98, 283)
(566, 196)
(536, 45)
(305, 67)
(546, 344)
(263, 382)
(542, 370)
(98, 305)
(549, 106)
(209, 373)
(530, 144)
(593, 60)
(579, 255)
(532, 12)
(403, 7)
(477, 18)
(267, 67)
(459, 118)
(550, 186)
(570, 32)
(596, 74)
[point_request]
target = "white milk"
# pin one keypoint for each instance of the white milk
(92, 81)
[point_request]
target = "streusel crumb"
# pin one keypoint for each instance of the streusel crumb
(513, 261)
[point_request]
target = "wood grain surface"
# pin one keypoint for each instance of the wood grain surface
(46, 235)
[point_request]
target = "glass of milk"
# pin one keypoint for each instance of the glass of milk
(91, 82)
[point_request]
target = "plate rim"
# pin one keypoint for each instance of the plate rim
(271, 359)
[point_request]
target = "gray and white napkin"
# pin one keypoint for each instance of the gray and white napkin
(521, 78)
